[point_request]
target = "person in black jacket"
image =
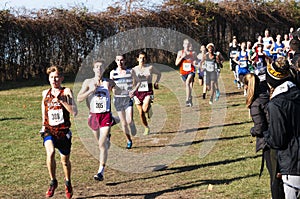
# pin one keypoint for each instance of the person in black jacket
(257, 101)
(283, 133)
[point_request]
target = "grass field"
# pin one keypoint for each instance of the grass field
(218, 158)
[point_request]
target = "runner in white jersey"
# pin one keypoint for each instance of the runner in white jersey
(96, 92)
(268, 41)
(123, 97)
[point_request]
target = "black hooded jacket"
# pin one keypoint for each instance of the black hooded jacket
(258, 112)
(283, 133)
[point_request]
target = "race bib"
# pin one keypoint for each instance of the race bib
(210, 66)
(259, 64)
(144, 86)
(262, 77)
(243, 64)
(55, 117)
(187, 67)
(99, 105)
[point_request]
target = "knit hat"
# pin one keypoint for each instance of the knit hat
(278, 72)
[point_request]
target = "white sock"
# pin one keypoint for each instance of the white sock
(101, 170)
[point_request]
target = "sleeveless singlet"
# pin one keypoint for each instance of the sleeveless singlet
(99, 101)
(57, 118)
(144, 77)
(124, 82)
(210, 65)
(261, 67)
(186, 65)
(243, 59)
(280, 48)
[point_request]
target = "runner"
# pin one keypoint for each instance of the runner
(260, 60)
(210, 64)
(123, 97)
(234, 49)
(144, 95)
(96, 92)
(200, 71)
(268, 41)
(186, 60)
(242, 60)
(57, 105)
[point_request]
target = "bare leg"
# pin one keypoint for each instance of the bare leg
(101, 136)
(124, 124)
(50, 161)
(188, 87)
(66, 164)
(129, 120)
(142, 115)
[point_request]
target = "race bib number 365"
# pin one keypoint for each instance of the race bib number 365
(55, 117)
(99, 105)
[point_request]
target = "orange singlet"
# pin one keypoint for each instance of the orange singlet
(186, 65)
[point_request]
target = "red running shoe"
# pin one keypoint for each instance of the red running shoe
(69, 190)
(53, 186)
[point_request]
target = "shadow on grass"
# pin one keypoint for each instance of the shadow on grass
(207, 127)
(185, 186)
(202, 140)
(235, 93)
(68, 78)
(195, 142)
(11, 118)
(175, 170)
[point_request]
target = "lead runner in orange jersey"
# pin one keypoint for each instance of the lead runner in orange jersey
(186, 59)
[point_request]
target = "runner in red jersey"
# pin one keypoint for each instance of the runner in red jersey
(57, 104)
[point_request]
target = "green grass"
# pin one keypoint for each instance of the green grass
(229, 170)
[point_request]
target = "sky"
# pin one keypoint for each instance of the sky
(92, 5)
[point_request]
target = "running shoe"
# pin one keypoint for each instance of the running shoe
(239, 85)
(147, 131)
(191, 101)
(129, 145)
(217, 95)
(69, 189)
(53, 186)
(235, 81)
(188, 103)
(98, 177)
(211, 100)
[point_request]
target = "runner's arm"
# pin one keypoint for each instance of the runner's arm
(85, 91)
(68, 102)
